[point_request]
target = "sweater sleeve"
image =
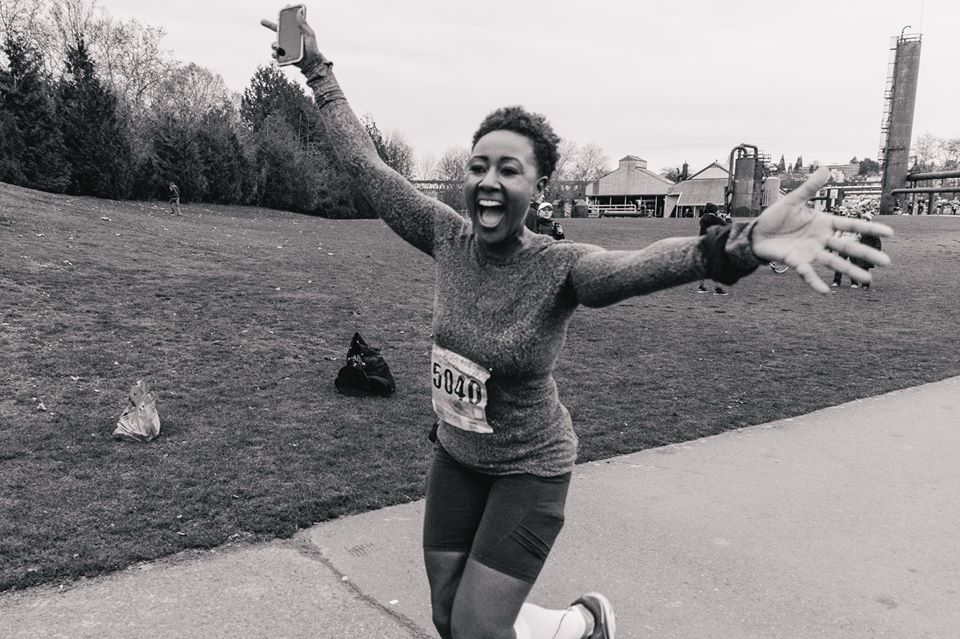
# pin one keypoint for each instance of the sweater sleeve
(723, 254)
(412, 215)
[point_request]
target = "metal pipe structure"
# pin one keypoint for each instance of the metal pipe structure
(930, 189)
(897, 127)
(933, 175)
(744, 186)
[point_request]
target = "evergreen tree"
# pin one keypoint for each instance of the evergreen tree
(177, 158)
(95, 139)
(32, 151)
(286, 178)
(798, 167)
(781, 167)
(396, 153)
(271, 92)
(221, 157)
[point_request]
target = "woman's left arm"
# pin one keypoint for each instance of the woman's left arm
(723, 254)
(788, 231)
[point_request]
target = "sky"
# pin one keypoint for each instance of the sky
(668, 82)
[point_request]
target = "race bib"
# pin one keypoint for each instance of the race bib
(459, 390)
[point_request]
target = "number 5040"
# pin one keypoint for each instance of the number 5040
(454, 384)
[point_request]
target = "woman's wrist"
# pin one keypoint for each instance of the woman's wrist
(317, 70)
(751, 227)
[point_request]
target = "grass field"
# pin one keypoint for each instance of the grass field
(240, 318)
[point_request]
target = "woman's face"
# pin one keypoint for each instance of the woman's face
(501, 180)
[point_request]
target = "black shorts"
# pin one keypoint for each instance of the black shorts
(505, 522)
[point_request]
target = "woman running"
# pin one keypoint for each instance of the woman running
(505, 446)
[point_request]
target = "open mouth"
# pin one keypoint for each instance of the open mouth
(490, 213)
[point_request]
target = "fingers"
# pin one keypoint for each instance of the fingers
(832, 260)
(809, 188)
(856, 249)
(270, 25)
(806, 272)
(861, 226)
(856, 273)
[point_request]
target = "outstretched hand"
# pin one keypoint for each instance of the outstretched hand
(311, 53)
(792, 233)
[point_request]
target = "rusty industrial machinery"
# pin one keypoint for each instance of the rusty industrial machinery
(743, 195)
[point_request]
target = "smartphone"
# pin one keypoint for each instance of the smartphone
(289, 38)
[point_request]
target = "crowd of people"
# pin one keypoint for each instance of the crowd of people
(941, 206)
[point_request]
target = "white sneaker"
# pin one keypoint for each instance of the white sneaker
(604, 621)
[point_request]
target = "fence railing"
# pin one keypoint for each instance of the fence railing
(612, 210)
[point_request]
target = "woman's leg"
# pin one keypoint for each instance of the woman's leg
(444, 571)
(522, 518)
(455, 501)
(492, 605)
(488, 603)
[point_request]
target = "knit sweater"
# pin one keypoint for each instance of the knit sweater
(510, 316)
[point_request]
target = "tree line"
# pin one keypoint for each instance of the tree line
(91, 105)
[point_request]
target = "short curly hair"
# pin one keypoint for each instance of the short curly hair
(532, 126)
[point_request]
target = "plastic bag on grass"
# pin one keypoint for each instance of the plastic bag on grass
(139, 422)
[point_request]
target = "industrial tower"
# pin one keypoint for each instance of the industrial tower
(896, 128)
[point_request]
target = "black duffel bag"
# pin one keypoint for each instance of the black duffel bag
(366, 372)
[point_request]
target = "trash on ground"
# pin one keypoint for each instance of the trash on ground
(139, 422)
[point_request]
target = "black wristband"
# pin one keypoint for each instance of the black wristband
(725, 260)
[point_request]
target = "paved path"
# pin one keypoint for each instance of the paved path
(841, 523)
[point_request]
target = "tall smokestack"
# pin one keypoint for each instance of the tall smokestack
(897, 128)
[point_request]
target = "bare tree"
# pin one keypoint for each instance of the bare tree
(23, 18)
(190, 92)
(451, 169)
(426, 167)
(131, 61)
(566, 153)
(927, 150)
(71, 19)
(128, 55)
(453, 163)
(590, 163)
(950, 154)
(399, 154)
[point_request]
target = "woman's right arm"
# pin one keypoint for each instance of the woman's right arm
(411, 214)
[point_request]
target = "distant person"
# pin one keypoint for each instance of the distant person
(505, 446)
(545, 223)
(873, 242)
(174, 199)
(711, 217)
(844, 237)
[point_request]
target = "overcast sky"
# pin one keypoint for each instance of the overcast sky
(669, 82)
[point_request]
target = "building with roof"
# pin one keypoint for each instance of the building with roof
(706, 186)
(630, 189)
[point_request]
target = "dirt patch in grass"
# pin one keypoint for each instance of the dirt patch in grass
(240, 318)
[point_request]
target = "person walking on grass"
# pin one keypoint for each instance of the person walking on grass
(174, 199)
(504, 445)
(710, 218)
